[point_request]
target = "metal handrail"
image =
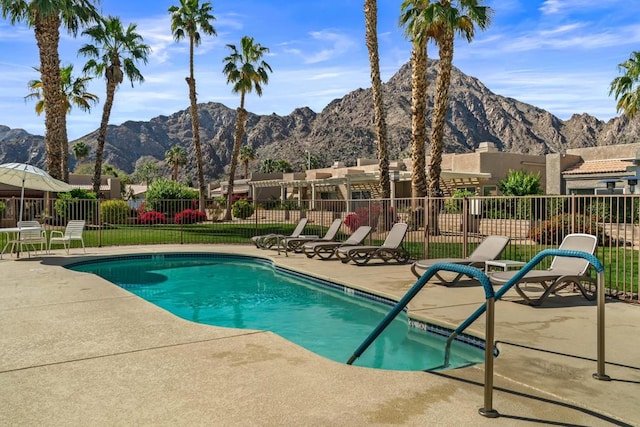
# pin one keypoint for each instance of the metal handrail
(489, 307)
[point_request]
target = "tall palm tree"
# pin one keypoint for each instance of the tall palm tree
(74, 90)
(626, 87)
(176, 157)
(371, 36)
(46, 17)
(413, 20)
(246, 70)
(247, 154)
(80, 150)
(114, 54)
(443, 20)
(186, 21)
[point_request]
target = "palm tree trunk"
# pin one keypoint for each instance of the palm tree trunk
(47, 34)
(102, 135)
(237, 142)
(441, 105)
(371, 24)
(195, 126)
(418, 118)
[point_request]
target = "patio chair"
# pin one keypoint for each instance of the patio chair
(564, 271)
(266, 241)
(295, 243)
(73, 231)
(391, 248)
(326, 250)
(32, 236)
(489, 249)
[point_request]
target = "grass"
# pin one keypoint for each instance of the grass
(621, 264)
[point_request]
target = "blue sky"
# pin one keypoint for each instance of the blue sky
(560, 55)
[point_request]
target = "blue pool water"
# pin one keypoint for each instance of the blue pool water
(250, 293)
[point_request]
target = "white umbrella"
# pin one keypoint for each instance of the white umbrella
(27, 176)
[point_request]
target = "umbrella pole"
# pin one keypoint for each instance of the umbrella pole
(24, 177)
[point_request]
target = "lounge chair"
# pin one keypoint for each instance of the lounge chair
(489, 249)
(266, 241)
(326, 250)
(563, 271)
(391, 249)
(295, 243)
(73, 231)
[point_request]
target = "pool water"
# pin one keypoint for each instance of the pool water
(249, 293)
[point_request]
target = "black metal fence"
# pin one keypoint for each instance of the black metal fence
(438, 228)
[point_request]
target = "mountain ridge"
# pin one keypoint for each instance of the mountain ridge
(344, 130)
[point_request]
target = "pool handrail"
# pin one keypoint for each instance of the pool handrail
(488, 306)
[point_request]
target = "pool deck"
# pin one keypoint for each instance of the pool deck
(77, 350)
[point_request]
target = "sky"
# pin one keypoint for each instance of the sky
(559, 55)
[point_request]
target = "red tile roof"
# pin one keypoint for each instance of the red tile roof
(599, 166)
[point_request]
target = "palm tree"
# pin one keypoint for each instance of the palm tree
(80, 151)
(371, 35)
(74, 90)
(247, 154)
(413, 21)
(246, 70)
(46, 17)
(626, 88)
(114, 54)
(186, 20)
(268, 166)
(176, 157)
(443, 20)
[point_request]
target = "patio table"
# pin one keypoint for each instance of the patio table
(13, 234)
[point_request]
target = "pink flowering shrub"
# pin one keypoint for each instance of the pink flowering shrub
(189, 216)
(152, 217)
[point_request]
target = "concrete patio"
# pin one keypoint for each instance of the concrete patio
(77, 350)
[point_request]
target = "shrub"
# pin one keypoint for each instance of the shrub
(152, 217)
(114, 211)
(554, 230)
(76, 204)
(3, 206)
(165, 195)
(369, 215)
(242, 209)
(190, 216)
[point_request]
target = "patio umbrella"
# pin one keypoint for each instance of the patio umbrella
(27, 176)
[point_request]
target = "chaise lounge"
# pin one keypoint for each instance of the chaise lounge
(390, 250)
(489, 249)
(564, 271)
(295, 243)
(325, 250)
(266, 241)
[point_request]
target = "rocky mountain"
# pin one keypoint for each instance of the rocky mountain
(344, 131)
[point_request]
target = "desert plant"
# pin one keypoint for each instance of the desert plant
(242, 209)
(114, 211)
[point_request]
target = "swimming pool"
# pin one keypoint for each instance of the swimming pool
(251, 293)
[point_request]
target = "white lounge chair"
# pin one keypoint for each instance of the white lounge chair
(563, 271)
(266, 241)
(326, 250)
(73, 231)
(295, 243)
(489, 249)
(391, 249)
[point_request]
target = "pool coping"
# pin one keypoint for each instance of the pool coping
(41, 301)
